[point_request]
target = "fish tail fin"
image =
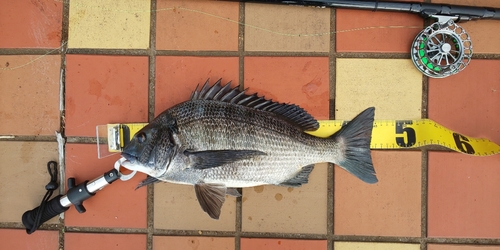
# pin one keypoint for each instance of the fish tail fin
(354, 140)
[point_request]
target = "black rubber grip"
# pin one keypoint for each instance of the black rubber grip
(52, 209)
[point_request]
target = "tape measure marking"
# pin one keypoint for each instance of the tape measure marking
(386, 134)
(395, 134)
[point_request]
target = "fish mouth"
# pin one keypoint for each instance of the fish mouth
(129, 157)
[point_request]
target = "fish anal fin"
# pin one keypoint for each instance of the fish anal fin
(215, 158)
(300, 178)
(211, 197)
(233, 192)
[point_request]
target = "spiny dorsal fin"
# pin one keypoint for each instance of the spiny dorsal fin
(290, 112)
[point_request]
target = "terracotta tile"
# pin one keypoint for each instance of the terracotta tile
(189, 242)
(279, 209)
(197, 25)
(392, 86)
(299, 80)
(287, 210)
(83, 241)
(27, 176)
(117, 205)
(105, 89)
(176, 207)
(30, 95)
(178, 76)
(460, 247)
(483, 39)
(30, 24)
(20, 240)
(389, 208)
(369, 31)
(474, 100)
(109, 24)
(374, 246)
(281, 244)
(463, 192)
(286, 28)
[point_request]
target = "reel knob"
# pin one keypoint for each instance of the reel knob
(442, 49)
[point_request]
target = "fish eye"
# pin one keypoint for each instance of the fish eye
(141, 137)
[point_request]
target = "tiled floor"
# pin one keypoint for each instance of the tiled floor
(70, 65)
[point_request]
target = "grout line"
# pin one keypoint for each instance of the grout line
(125, 52)
(424, 171)
(486, 56)
(47, 138)
(241, 79)
(146, 52)
(151, 112)
(201, 233)
(198, 53)
(425, 97)
(81, 139)
(61, 136)
(425, 159)
(424, 205)
(107, 230)
(29, 51)
(271, 235)
(331, 167)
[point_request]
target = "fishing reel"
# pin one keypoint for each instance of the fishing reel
(442, 49)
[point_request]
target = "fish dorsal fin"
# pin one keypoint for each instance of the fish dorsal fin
(290, 112)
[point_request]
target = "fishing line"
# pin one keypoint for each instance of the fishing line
(275, 32)
(34, 60)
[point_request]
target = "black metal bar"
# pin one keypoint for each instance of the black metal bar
(426, 10)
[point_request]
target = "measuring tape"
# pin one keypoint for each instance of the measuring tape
(386, 134)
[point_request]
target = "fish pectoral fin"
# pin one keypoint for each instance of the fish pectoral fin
(211, 197)
(233, 192)
(215, 158)
(147, 181)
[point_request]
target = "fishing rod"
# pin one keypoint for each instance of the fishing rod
(440, 50)
(48, 209)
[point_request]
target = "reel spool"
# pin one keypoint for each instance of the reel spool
(442, 49)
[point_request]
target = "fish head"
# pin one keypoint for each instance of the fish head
(150, 150)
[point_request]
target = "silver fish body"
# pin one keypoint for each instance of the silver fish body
(223, 139)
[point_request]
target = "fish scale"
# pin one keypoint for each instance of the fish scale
(223, 139)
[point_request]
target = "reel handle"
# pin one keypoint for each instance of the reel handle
(52, 208)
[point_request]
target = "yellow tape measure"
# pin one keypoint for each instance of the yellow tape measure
(397, 134)
(387, 134)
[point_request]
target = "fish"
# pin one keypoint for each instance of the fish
(222, 139)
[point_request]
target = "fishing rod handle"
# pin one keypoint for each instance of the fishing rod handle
(51, 210)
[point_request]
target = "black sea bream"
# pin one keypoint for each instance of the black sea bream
(223, 139)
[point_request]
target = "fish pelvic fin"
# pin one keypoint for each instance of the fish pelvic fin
(211, 197)
(354, 140)
(147, 181)
(300, 178)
